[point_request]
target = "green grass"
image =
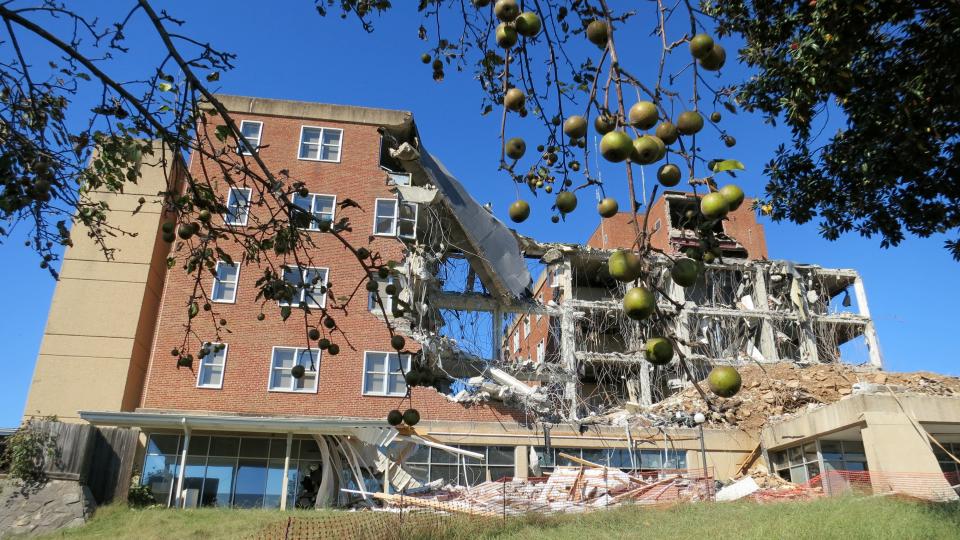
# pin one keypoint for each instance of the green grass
(846, 518)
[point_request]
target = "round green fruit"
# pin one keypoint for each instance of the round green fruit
(519, 211)
(363, 253)
(669, 175)
(372, 286)
(624, 265)
(689, 122)
(575, 127)
(616, 146)
(394, 417)
(684, 272)
(390, 289)
(167, 227)
(297, 371)
(205, 215)
(713, 205)
(412, 378)
(715, 117)
(724, 381)
(425, 58)
(645, 150)
(638, 303)
(411, 417)
(566, 201)
(715, 59)
(667, 132)
(733, 195)
(729, 141)
(604, 124)
(506, 36)
(598, 32)
(700, 46)
(168, 237)
(515, 148)
(323, 344)
(333, 349)
(658, 351)
(608, 207)
(185, 231)
(397, 342)
(643, 115)
(383, 272)
(313, 334)
(514, 99)
(709, 257)
(528, 24)
(506, 10)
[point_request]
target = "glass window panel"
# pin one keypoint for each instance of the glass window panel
(853, 447)
(254, 447)
(397, 386)
(274, 484)
(831, 450)
(224, 446)
(308, 359)
(562, 461)
(651, 459)
(198, 445)
(311, 136)
(496, 473)
(375, 383)
(810, 452)
(420, 455)
(330, 153)
(250, 129)
(224, 292)
(163, 444)
(855, 466)
(835, 465)
(158, 474)
(376, 362)
(420, 471)
(193, 478)
(309, 451)
(596, 455)
(307, 382)
(813, 470)
(278, 449)
(794, 455)
(250, 483)
(676, 459)
(283, 358)
(439, 456)
(447, 472)
(219, 481)
(779, 459)
(210, 375)
(798, 475)
(500, 455)
(482, 450)
(475, 474)
(332, 137)
(237, 206)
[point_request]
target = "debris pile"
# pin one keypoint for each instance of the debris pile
(775, 390)
(566, 489)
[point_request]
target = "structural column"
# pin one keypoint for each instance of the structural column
(286, 473)
(497, 334)
(768, 346)
(869, 331)
(568, 343)
(521, 465)
(179, 499)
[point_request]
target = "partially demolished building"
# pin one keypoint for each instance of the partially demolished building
(525, 361)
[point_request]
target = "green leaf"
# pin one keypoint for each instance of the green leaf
(165, 87)
(728, 165)
(215, 76)
(222, 133)
(285, 312)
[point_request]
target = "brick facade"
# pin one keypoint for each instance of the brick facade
(358, 176)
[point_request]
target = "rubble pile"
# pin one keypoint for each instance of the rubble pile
(566, 489)
(774, 390)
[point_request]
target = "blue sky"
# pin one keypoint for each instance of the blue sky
(290, 52)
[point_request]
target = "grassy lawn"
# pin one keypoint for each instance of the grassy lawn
(828, 518)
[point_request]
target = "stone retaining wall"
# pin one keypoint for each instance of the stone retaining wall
(55, 505)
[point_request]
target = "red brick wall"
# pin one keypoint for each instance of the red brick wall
(358, 176)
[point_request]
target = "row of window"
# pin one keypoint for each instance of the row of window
(382, 375)
(309, 282)
(391, 217)
(316, 143)
(805, 462)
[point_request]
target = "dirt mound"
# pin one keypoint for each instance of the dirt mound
(774, 390)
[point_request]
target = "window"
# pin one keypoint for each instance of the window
(225, 282)
(320, 208)
(320, 144)
(250, 136)
(387, 222)
(620, 458)
(540, 352)
(238, 206)
(243, 472)
(516, 338)
(429, 464)
(382, 375)
(212, 364)
(947, 464)
(310, 283)
(798, 464)
(386, 298)
(556, 276)
(526, 324)
(284, 358)
(399, 179)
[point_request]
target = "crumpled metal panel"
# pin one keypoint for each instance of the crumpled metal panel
(495, 246)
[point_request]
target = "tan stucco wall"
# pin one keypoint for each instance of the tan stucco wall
(100, 326)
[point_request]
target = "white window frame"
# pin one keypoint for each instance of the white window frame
(204, 363)
(516, 337)
(395, 218)
(372, 306)
(244, 148)
(541, 352)
(539, 314)
(246, 213)
(216, 279)
(556, 276)
(297, 351)
(303, 298)
(404, 364)
(314, 224)
(526, 324)
(320, 145)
